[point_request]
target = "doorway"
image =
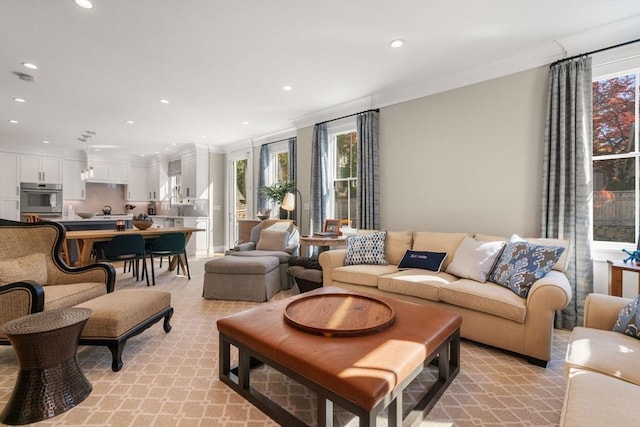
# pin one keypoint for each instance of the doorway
(240, 198)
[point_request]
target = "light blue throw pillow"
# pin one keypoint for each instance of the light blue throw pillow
(367, 249)
(522, 263)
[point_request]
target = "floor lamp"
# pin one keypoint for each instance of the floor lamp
(289, 204)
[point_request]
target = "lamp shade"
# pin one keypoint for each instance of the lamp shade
(289, 202)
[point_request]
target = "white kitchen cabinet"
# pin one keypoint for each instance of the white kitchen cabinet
(109, 172)
(73, 188)
(34, 168)
(158, 181)
(195, 175)
(198, 244)
(137, 189)
(10, 208)
(10, 175)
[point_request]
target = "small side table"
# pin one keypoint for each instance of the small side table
(323, 242)
(615, 275)
(50, 380)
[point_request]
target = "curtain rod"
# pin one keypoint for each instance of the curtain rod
(594, 51)
(280, 140)
(377, 110)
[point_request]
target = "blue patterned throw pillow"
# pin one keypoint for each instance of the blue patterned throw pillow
(628, 322)
(367, 249)
(522, 263)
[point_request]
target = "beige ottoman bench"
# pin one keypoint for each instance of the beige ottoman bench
(241, 278)
(120, 315)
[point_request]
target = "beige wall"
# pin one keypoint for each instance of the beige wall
(217, 179)
(469, 159)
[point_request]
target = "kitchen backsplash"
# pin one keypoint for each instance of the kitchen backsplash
(99, 195)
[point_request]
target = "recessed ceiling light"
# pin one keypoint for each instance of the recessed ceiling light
(86, 4)
(166, 149)
(164, 101)
(287, 88)
(141, 155)
(245, 122)
(396, 43)
(203, 136)
(19, 100)
(130, 122)
(15, 122)
(174, 144)
(45, 142)
(30, 66)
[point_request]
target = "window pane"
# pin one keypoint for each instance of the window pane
(614, 200)
(346, 155)
(341, 199)
(282, 172)
(613, 115)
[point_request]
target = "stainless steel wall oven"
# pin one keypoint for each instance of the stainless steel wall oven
(40, 198)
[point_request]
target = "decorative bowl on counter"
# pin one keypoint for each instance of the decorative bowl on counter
(85, 215)
(142, 224)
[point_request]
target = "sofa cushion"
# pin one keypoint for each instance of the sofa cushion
(590, 399)
(424, 260)
(522, 263)
(415, 282)
(367, 249)
(606, 352)
(485, 297)
(563, 262)
(362, 274)
(474, 259)
(438, 242)
(62, 296)
(398, 243)
(628, 321)
(29, 267)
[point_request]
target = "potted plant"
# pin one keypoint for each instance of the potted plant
(276, 192)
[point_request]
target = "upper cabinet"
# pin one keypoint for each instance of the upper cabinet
(10, 175)
(34, 168)
(137, 189)
(73, 188)
(195, 175)
(109, 172)
(158, 181)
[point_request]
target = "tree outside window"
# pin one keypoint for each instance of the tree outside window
(615, 159)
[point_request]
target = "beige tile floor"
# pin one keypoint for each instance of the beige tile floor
(172, 379)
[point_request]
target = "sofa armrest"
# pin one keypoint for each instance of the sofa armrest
(601, 311)
(328, 261)
(19, 299)
(550, 293)
(247, 246)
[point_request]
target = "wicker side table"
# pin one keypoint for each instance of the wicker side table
(50, 380)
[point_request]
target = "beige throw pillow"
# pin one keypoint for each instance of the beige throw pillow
(271, 240)
(30, 267)
(474, 259)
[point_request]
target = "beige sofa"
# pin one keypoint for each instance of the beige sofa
(492, 314)
(602, 369)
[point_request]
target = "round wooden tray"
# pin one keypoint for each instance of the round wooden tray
(339, 315)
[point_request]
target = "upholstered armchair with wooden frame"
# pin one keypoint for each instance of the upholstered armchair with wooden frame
(277, 238)
(34, 278)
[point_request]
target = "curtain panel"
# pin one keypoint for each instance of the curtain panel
(368, 201)
(567, 186)
(319, 176)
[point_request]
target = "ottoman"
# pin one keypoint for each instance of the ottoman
(241, 278)
(120, 315)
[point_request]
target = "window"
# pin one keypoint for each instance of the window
(281, 161)
(616, 157)
(343, 155)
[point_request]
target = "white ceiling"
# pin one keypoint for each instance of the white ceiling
(221, 63)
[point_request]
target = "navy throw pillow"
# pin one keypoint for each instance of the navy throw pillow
(423, 259)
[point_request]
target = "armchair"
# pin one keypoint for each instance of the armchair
(34, 278)
(277, 238)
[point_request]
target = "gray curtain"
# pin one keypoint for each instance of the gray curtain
(319, 176)
(293, 172)
(567, 186)
(368, 203)
(262, 176)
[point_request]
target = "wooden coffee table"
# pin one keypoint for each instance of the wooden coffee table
(363, 374)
